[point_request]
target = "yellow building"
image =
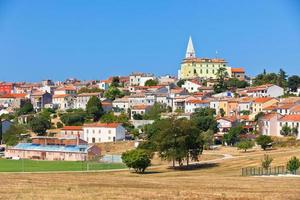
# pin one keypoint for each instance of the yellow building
(223, 104)
(260, 103)
(192, 67)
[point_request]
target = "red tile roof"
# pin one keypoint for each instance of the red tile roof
(290, 118)
(140, 107)
(296, 108)
(60, 95)
(262, 99)
(237, 70)
(197, 101)
(72, 128)
(14, 96)
(104, 125)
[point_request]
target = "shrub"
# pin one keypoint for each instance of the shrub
(264, 141)
(59, 125)
(293, 164)
(266, 161)
(137, 159)
(245, 144)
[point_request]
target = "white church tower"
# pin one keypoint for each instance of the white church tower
(190, 52)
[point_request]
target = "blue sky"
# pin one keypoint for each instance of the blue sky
(94, 39)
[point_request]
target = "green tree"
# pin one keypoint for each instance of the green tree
(266, 162)
(59, 125)
(293, 83)
(282, 78)
(236, 83)
(286, 130)
(115, 81)
(137, 159)
(293, 164)
(208, 138)
(13, 134)
(113, 92)
(258, 116)
(222, 112)
(137, 116)
(94, 108)
(245, 144)
(73, 118)
(204, 119)
(221, 75)
(180, 82)
(89, 90)
(151, 82)
(264, 141)
(177, 140)
(245, 112)
(39, 125)
(155, 111)
(26, 109)
(233, 135)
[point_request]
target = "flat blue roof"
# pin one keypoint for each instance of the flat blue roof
(57, 148)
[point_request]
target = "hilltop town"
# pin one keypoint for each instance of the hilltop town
(118, 108)
(139, 119)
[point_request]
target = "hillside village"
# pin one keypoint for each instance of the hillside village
(64, 120)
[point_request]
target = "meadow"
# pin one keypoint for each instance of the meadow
(213, 179)
(45, 166)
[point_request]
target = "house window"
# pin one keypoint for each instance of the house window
(99, 131)
(109, 131)
(109, 138)
(93, 140)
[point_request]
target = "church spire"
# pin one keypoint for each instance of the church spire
(190, 52)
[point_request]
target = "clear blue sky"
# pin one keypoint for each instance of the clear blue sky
(91, 39)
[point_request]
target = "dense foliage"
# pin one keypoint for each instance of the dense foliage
(94, 108)
(113, 92)
(151, 82)
(245, 144)
(264, 141)
(26, 109)
(293, 164)
(39, 125)
(75, 118)
(136, 159)
(89, 90)
(233, 135)
(13, 134)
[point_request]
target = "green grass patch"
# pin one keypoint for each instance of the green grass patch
(41, 165)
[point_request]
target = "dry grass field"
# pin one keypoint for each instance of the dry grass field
(216, 179)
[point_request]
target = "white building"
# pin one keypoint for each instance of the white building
(63, 101)
(215, 104)
(193, 104)
(271, 124)
(83, 98)
(245, 104)
(139, 79)
(121, 104)
(104, 84)
(103, 132)
(191, 86)
(268, 90)
(70, 90)
(139, 110)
